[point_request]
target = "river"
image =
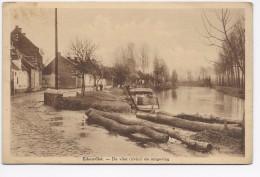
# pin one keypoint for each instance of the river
(200, 100)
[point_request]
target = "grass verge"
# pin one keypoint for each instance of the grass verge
(104, 101)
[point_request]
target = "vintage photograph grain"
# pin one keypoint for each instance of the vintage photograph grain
(127, 83)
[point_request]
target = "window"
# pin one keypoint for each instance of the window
(17, 80)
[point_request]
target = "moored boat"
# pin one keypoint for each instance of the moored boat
(144, 99)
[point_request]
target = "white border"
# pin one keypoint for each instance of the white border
(155, 170)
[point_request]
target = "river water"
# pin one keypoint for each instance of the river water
(202, 100)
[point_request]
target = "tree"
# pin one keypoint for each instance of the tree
(131, 63)
(125, 64)
(203, 73)
(144, 58)
(229, 37)
(156, 70)
(189, 77)
(85, 62)
(160, 70)
(164, 71)
(174, 77)
(121, 69)
(107, 72)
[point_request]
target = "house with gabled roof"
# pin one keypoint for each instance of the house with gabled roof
(67, 76)
(26, 63)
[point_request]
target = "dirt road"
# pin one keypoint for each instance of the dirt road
(31, 135)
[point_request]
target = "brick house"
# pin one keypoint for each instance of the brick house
(67, 77)
(26, 63)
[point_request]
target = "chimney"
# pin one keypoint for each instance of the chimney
(16, 26)
(24, 34)
(20, 29)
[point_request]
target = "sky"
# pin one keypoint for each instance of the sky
(172, 34)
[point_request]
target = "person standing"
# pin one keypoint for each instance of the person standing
(101, 87)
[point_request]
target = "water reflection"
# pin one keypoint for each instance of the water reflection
(200, 100)
(174, 95)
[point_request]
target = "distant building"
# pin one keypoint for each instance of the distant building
(146, 80)
(26, 63)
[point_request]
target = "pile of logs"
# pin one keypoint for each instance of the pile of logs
(201, 118)
(155, 131)
(189, 123)
(106, 121)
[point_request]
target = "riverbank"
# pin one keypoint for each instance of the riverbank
(163, 87)
(38, 130)
(236, 92)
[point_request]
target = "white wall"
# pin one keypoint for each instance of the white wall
(21, 79)
(36, 78)
(89, 81)
(48, 80)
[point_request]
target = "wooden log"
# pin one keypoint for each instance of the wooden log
(121, 120)
(200, 118)
(114, 126)
(190, 125)
(196, 145)
(115, 117)
(193, 144)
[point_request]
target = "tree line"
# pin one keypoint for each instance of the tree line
(229, 37)
(130, 66)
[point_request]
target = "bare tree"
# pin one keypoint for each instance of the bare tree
(120, 70)
(156, 70)
(125, 64)
(164, 71)
(131, 57)
(229, 37)
(174, 77)
(85, 62)
(144, 57)
(160, 70)
(189, 77)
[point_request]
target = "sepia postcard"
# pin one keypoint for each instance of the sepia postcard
(127, 83)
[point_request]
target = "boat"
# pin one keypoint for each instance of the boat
(144, 99)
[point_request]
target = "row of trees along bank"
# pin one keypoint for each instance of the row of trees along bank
(228, 34)
(131, 66)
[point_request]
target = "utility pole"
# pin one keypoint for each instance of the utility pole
(56, 51)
